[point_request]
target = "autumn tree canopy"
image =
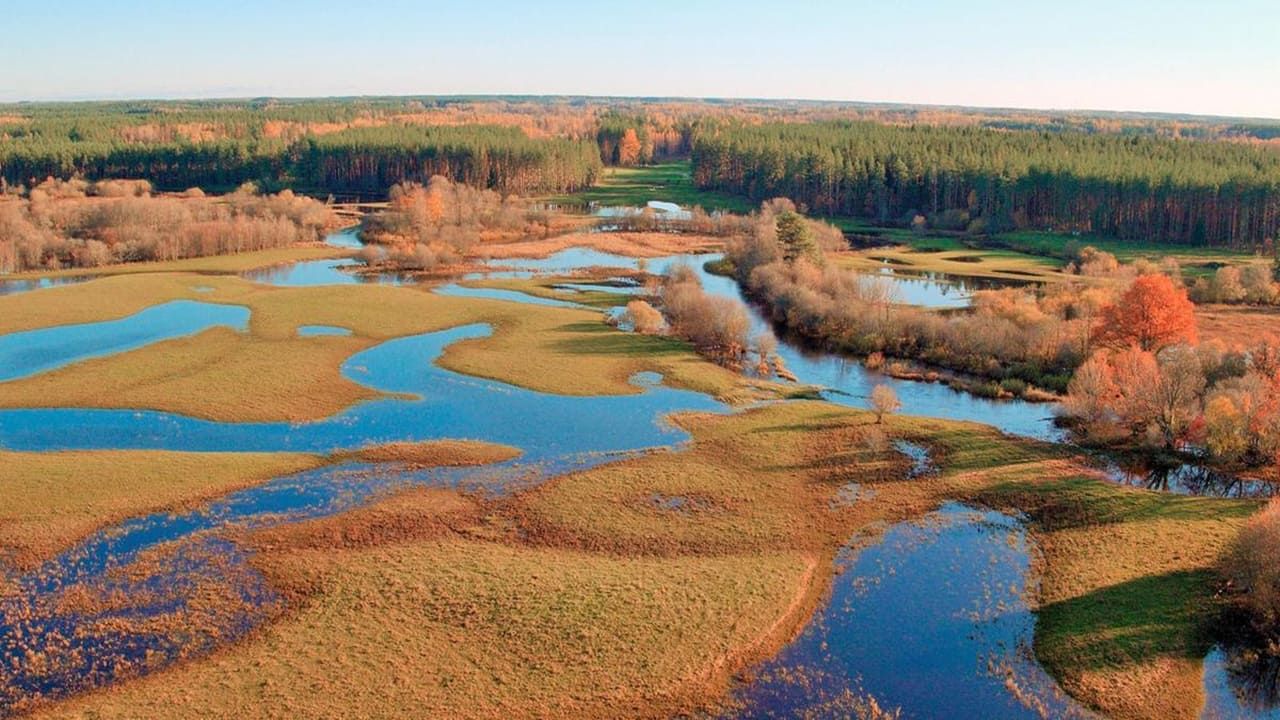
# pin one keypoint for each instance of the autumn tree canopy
(1151, 315)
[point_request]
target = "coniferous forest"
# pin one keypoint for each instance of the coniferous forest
(1148, 177)
(988, 180)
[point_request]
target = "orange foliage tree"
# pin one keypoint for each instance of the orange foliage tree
(629, 148)
(1151, 315)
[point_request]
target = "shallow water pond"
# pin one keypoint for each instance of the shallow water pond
(1238, 686)
(931, 618)
(36, 351)
(13, 287)
(321, 330)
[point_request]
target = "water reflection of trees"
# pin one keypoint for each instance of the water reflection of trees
(1253, 674)
(1195, 480)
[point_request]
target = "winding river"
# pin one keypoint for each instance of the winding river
(929, 616)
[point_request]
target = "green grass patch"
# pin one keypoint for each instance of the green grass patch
(666, 182)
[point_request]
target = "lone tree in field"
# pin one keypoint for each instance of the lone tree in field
(1151, 315)
(884, 401)
(795, 238)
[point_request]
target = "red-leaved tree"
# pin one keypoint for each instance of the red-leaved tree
(1151, 315)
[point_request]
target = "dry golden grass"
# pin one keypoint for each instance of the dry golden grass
(52, 500)
(430, 603)
(112, 298)
(1237, 325)
(217, 375)
(631, 244)
(434, 453)
(473, 629)
(985, 264)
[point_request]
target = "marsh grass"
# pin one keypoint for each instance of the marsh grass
(271, 374)
(54, 499)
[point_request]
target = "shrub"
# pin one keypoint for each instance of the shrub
(1013, 386)
(643, 318)
(1251, 566)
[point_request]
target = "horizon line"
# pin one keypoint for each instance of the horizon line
(676, 98)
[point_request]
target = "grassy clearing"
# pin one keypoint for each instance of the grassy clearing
(52, 500)
(667, 182)
(271, 374)
(1237, 325)
(471, 629)
(112, 298)
(217, 375)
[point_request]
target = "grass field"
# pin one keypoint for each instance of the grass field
(639, 588)
(630, 244)
(667, 182)
(53, 500)
(1237, 325)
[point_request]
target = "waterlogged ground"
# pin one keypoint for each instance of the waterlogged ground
(35, 351)
(86, 646)
(845, 380)
(930, 618)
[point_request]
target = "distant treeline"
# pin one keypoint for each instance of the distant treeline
(368, 159)
(987, 180)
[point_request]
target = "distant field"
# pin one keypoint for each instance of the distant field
(924, 259)
(668, 182)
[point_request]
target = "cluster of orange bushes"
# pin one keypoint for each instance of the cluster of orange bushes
(1250, 566)
(438, 224)
(719, 328)
(1151, 383)
(1014, 337)
(70, 224)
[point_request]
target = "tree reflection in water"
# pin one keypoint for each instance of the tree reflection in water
(1189, 479)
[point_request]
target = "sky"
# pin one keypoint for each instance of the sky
(1204, 57)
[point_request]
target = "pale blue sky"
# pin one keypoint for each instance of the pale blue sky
(1198, 57)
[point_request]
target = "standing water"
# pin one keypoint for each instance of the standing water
(930, 618)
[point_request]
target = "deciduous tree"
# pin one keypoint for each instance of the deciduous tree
(1152, 314)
